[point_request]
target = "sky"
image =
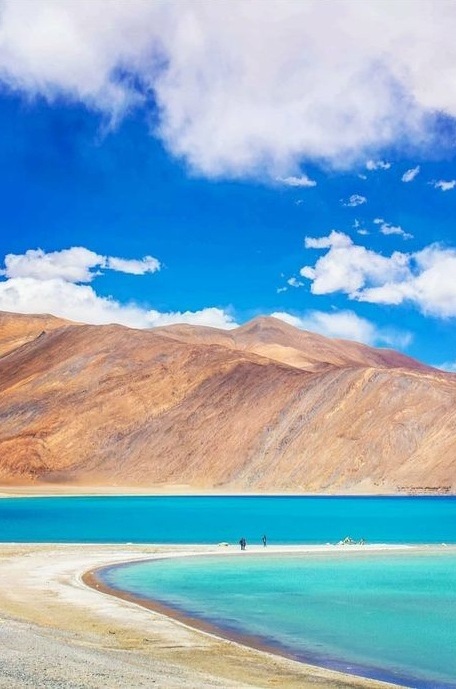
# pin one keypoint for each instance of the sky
(208, 163)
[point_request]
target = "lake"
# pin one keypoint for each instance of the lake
(214, 519)
(387, 615)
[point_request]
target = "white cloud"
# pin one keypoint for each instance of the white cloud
(301, 181)
(347, 267)
(74, 49)
(81, 303)
(244, 87)
(443, 185)
(354, 200)
(358, 227)
(377, 165)
(365, 275)
(210, 316)
(36, 282)
(449, 366)
(76, 264)
(388, 229)
(347, 325)
(148, 264)
(410, 175)
(294, 282)
(333, 239)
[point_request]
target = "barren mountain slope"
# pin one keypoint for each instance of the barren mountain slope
(17, 329)
(282, 342)
(111, 405)
(77, 398)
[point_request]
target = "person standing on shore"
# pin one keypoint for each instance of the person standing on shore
(242, 543)
(265, 540)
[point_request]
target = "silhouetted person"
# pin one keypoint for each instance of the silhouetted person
(265, 540)
(242, 543)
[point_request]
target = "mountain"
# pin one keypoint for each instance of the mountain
(264, 407)
(18, 329)
(284, 343)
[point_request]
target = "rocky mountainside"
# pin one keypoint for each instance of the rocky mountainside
(264, 407)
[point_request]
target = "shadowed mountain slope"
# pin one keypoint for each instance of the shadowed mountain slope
(264, 407)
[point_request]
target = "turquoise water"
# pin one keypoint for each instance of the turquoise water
(214, 519)
(389, 616)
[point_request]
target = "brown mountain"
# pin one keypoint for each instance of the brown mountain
(263, 407)
(276, 340)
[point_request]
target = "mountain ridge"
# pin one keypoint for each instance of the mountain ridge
(356, 353)
(219, 410)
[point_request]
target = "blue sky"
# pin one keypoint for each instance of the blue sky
(159, 165)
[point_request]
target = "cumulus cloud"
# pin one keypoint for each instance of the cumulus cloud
(148, 264)
(301, 181)
(377, 165)
(56, 283)
(364, 275)
(335, 238)
(347, 325)
(243, 87)
(294, 282)
(409, 175)
(348, 267)
(354, 200)
(387, 229)
(443, 185)
(76, 264)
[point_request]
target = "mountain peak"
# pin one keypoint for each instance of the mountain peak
(262, 407)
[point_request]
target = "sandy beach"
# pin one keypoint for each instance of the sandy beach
(57, 632)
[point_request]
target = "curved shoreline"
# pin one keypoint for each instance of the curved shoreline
(93, 579)
(109, 642)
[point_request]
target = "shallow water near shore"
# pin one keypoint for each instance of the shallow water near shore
(213, 519)
(387, 615)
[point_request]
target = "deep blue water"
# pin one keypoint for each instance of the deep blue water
(212, 519)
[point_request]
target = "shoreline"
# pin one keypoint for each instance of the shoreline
(66, 491)
(93, 579)
(43, 597)
(175, 493)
